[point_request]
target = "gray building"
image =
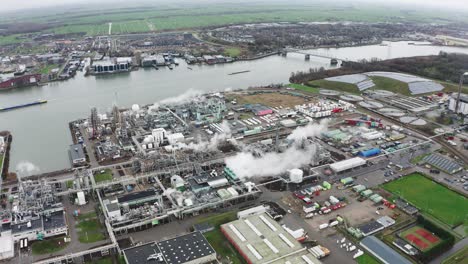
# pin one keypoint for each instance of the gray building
(191, 248)
(383, 252)
(77, 156)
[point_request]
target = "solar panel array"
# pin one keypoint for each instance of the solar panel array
(424, 87)
(443, 163)
(365, 85)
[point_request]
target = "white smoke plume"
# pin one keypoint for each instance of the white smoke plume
(310, 130)
(246, 165)
(214, 141)
(26, 168)
(181, 98)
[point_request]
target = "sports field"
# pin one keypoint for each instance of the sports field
(420, 238)
(431, 198)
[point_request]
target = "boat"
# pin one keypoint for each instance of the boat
(38, 102)
(333, 61)
(20, 81)
(170, 67)
(239, 72)
(189, 68)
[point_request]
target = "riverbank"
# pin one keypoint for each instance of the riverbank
(48, 124)
(5, 156)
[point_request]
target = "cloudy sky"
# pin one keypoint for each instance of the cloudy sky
(21, 4)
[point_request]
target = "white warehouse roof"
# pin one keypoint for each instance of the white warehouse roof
(347, 164)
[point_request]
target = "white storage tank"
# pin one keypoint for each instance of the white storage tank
(135, 108)
(296, 175)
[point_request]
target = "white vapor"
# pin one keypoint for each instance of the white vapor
(26, 168)
(246, 165)
(181, 98)
(214, 141)
(310, 130)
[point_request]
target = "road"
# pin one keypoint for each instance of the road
(461, 244)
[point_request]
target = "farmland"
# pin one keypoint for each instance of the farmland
(431, 198)
(92, 21)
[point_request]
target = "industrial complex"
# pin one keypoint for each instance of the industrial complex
(269, 175)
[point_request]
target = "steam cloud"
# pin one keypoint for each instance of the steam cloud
(181, 98)
(214, 141)
(26, 168)
(247, 165)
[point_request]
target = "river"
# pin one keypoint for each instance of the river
(40, 133)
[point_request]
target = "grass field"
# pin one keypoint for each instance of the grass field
(232, 51)
(431, 198)
(105, 176)
(88, 215)
(93, 20)
(459, 257)
(89, 231)
(339, 86)
(420, 238)
(217, 240)
(304, 88)
(367, 259)
(382, 83)
(48, 246)
(45, 69)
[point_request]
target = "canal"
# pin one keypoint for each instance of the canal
(40, 133)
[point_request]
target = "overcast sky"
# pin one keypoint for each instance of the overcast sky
(21, 4)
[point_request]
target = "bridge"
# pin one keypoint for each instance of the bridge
(325, 55)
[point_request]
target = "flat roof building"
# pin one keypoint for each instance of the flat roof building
(191, 248)
(77, 155)
(260, 239)
(383, 252)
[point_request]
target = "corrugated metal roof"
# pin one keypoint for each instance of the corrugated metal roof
(383, 252)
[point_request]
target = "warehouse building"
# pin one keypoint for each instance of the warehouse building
(191, 248)
(348, 164)
(260, 239)
(370, 152)
(77, 155)
(383, 252)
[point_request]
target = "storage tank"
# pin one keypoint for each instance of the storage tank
(296, 175)
(135, 107)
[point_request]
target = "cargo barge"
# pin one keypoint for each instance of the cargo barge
(38, 102)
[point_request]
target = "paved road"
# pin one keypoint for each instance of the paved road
(461, 244)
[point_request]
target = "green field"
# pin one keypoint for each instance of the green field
(45, 69)
(303, 87)
(383, 83)
(367, 259)
(104, 176)
(339, 86)
(459, 257)
(94, 19)
(431, 198)
(90, 231)
(216, 238)
(232, 51)
(48, 246)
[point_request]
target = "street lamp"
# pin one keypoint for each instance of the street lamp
(462, 79)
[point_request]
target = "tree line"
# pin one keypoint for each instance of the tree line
(445, 67)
